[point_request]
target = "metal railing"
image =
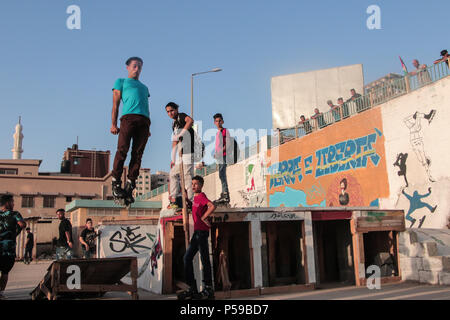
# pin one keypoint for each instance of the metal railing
(389, 90)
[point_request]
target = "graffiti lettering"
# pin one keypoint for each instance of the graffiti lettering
(129, 240)
(344, 156)
(285, 172)
(278, 216)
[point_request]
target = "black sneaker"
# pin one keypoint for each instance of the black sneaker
(129, 187)
(206, 294)
(187, 294)
(117, 190)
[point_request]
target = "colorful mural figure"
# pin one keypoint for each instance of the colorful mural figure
(401, 164)
(416, 203)
(414, 124)
(345, 191)
(343, 197)
(254, 193)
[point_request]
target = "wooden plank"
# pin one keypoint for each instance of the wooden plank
(355, 251)
(183, 195)
(397, 255)
(97, 288)
(365, 230)
(272, 248)
(304, 254)
(167, 259)
(134, 276)
(252, 262)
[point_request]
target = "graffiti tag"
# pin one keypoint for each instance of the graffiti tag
(127, 239)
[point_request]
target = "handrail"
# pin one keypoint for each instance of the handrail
(375, 96)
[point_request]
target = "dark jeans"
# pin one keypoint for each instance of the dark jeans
(28, 254)
(223, 176)
(136, 127)
(199, 241)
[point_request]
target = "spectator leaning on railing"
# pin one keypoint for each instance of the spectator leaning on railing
(334, 110)
(423, 77)
(303, 123)
(356, 98)
(445, 56)
(343, 107)
(318, 117)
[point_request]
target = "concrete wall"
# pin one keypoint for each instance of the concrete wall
(423, 174)
(297, 94)
(144, 243)
(308, 171)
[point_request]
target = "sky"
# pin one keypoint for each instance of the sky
(59, 80)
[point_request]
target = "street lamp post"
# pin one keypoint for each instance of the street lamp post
(192, 87)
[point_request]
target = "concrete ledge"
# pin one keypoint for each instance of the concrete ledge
(431, 277)
(263, 291)
(287, 289)
(444, 278)
(436, 264)
(413, 264)
(236, 293)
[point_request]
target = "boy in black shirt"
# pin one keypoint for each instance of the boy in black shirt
(87, 240)
(64, 244)
(183, 133)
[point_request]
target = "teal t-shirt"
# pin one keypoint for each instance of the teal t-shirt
(134, 96)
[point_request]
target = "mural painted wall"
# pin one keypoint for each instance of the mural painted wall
(417, 155)
(341, 165)
(142, 241)
(254, 191)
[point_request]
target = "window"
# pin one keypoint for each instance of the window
(49, 201)
(86, 198)
(27, 201)
(68, 199)
(8, 171)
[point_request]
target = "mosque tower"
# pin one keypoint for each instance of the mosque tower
(18, 138)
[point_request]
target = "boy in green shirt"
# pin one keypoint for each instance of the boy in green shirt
(134, 125)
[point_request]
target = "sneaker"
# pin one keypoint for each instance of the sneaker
(117, 190)
(206, 294)
(129, 187)
(412, 223)
(187, 294)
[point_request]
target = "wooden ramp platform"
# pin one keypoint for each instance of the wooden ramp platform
(97, 276)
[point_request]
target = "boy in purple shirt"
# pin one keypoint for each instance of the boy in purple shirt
(201, 209)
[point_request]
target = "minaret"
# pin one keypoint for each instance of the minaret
(18, 138)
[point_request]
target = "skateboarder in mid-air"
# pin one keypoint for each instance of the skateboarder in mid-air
(134, 125)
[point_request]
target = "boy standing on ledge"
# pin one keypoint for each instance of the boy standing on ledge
(201, 210)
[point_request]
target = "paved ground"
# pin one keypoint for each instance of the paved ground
(24, 278)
